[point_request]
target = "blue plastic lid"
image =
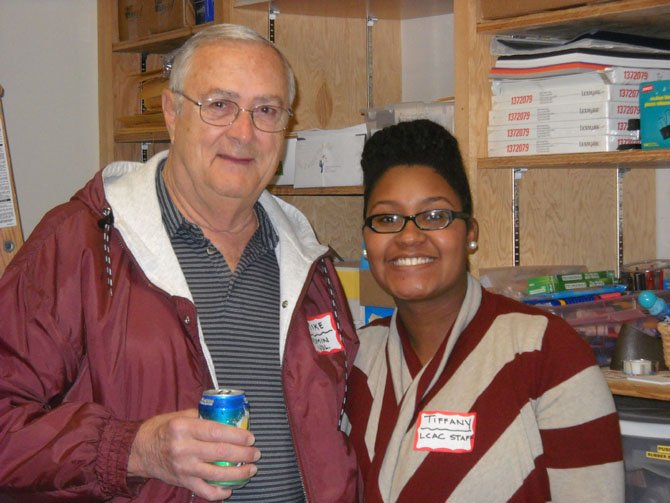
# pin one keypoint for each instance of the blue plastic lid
(647, 299)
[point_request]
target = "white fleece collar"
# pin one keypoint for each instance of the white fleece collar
(130, 189)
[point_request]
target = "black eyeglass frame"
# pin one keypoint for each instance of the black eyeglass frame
(200, 104)
(453, 215)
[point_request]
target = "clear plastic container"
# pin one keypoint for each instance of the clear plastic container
(645, 438)
(599, 321)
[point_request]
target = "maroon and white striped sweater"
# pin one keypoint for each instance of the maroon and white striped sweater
(511, 408)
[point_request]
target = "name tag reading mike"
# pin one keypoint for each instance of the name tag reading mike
(324, 334)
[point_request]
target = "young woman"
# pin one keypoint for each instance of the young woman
(463, 395)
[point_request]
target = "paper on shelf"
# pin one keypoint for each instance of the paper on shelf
(613, 42)
(329, 158)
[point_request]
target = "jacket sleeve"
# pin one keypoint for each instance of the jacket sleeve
(50, 444)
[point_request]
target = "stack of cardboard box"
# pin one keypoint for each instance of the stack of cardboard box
(587, 112)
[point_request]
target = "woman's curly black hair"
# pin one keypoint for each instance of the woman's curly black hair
(421, 142)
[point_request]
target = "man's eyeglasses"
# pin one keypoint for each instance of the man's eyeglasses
(221, 112)
(431, 220)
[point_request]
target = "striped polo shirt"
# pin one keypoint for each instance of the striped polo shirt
(239, 314)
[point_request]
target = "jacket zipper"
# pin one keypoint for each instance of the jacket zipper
(331, 294)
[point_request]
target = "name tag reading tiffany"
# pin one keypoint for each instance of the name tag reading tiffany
(325, 337)
(443, 431)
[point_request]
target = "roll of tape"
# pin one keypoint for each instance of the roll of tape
(639, 367)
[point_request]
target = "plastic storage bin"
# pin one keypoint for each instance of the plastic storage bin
(599, 321)
(645, 438)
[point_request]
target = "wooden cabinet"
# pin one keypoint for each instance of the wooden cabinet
(327, 44)
(596, 209)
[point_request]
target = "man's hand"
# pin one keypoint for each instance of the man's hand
(179, 448)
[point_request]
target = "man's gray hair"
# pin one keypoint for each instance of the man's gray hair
(183, 57)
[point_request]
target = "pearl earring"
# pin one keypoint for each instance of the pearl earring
(473, 245)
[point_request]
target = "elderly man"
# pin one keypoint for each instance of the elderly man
(158, 281)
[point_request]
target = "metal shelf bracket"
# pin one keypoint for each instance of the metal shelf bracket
(273, 12)
(370, 22)
(517, 175)
(620, 173)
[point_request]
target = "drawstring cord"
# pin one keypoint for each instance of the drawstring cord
(331, 291)
(106, 223)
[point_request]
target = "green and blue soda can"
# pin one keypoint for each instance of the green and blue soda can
(227, 406)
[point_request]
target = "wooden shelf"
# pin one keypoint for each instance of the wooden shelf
(634, 159)
(620, 385)
(136, 135)
(382, 9)
(160, 43)
(289, 190)
(643, 17)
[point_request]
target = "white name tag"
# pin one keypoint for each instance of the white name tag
(443, 431)
(325, 337)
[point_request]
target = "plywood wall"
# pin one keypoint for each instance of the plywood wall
(329, 58)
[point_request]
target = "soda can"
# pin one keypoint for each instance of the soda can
(227, 406)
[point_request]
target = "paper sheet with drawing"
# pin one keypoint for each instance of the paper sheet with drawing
(329, 158)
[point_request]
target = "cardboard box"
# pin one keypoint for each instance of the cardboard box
(565, 112)
(141, 18)
(584, 83)
(601, 143)
(561, 129)
(628, 75)
(371, 293)
(367, 300)
(168, 15)
(497, 9)
(348, 273)
(655, 114)
(133, 19)
(534, 96)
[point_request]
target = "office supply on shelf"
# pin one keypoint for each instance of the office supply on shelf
(592, 56)
(613, 42)
(596, 51)
(655, 114)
